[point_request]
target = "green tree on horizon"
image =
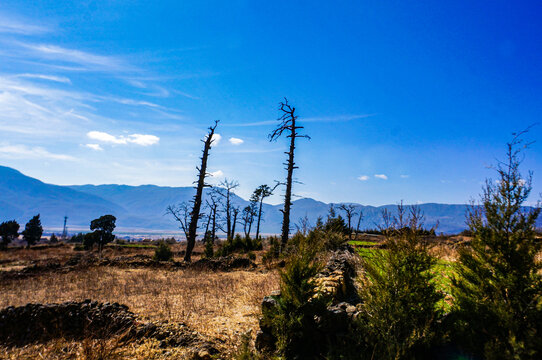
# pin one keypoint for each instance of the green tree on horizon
(9, 231)
(32, 231)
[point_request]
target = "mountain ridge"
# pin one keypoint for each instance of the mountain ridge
(143, 207)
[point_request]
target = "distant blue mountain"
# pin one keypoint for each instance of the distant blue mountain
(143, 208)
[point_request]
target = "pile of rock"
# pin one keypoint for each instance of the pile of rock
(336, 282)
(90, 319)
(75, 320)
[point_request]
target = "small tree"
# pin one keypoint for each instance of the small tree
(293, 321)
(287, 124)
(258, 196)
(9, 231)
(53, 239)
(399, 311)
(350, 212)
(103, 230)
(163, 252)
(498, 293)
(32, 231)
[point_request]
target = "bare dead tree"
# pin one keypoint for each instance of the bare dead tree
(350, 212)
(247, 217)
(303, 225)
(181, 213)
(287, 124)
(258, 196)
(235, 213)
(212, 203)
(359, 223)
(196, 202)
(226, 190)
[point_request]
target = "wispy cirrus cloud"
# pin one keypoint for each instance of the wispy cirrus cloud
(16, 25)
(138, 139)
(25, 152)
(60, 79)
(322, 119)
(87, 60)
(335, 118)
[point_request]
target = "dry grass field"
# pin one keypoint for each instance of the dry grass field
(220, 305)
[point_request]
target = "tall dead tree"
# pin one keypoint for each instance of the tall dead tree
(196, 202)
(350, 212)
(287, 124)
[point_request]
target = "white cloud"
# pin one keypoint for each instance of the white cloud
(217, 173)
(381, 176)
(24, 152)
(89, 60)
(216, 139)
(363, 177)
(106, 138)
(143, 140)
(235, 141)
(138, 139)
(405, 176)
(95, 147)
(26, 27)
(61, 79)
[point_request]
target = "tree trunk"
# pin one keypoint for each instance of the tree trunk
(259, 218)
(193, 227)
(288, 196)
(214, 223)
(235, 212)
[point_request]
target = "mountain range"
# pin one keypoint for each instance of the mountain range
(142, 209)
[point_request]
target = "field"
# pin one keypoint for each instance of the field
(219, 304)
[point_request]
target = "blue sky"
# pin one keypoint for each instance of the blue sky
(403, 100)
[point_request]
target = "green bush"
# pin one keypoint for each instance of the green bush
(251, 256)
(273, 252)
(78, 238)
(79, 247)
(53, 239)
(399, 313)
(293, 321)
(238, 244)
(245, 351)
(498, 294)
(163, 252)
(89, 239)
(209, 249)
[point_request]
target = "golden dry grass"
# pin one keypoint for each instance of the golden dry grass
(218, 304)
(94, 349)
